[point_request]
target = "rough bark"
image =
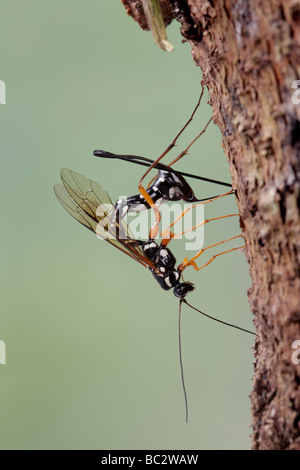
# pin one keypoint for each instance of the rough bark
(249, 54)
(134, 8)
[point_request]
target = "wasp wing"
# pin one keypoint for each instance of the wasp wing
(89, 203)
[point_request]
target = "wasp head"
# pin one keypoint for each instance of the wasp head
(182, 289)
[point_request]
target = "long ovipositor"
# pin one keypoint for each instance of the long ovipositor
(169, 185)
(144, 161)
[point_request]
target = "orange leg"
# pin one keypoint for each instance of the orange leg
(184, 152)
(191, 262)
(155, 228)
(166, 235)
(166, 232)
(178, 235)
(172, 144)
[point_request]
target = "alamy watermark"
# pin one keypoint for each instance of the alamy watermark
(2, 352)
(185, 222)
(296, 94)
(2, 92)
(296, 354)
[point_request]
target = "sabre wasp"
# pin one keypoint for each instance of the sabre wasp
(169, 185)
(89, 203)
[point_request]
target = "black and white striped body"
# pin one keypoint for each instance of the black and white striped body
(168, 186)
(165, 273)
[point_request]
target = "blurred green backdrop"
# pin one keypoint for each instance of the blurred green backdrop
(92, 341)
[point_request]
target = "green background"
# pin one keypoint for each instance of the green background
(92, 340)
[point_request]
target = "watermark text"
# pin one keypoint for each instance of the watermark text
(296, 354)
(177, 221)
(296, 94)
(2, 352)
(2, 92)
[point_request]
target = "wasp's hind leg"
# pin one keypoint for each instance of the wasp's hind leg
(185, 151)
(173, 143)
(142, 190)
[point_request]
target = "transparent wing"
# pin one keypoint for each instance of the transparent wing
(73, 208)
(86, 193)
(89, 203)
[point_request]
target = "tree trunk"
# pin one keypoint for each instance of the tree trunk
(249, 55)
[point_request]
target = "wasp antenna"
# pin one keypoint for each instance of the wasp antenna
(181, 364)
(219, 321)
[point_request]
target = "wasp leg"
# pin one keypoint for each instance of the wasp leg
(185, 151)
(173, 143)
(155, 228)
(166, 232)
(191, 262)
(179, 235)
(167, 235)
